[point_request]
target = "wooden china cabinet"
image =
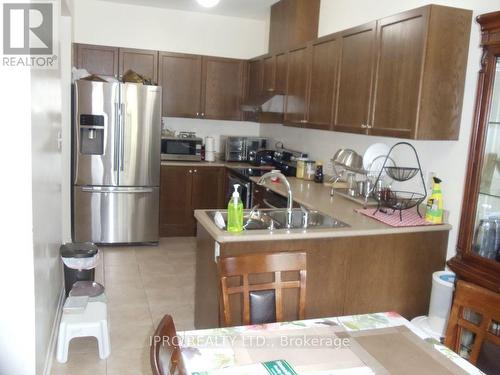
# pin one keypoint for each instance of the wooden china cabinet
(478, 250)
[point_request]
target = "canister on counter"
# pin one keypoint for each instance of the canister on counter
(318, 176)
(301, 167)
(310, 170)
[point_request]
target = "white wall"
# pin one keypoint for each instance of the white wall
(448, 159)
(17, 313)
(101, 22)
(30, 281)
(46, 107)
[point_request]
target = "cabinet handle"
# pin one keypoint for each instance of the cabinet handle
(197, 114)
(270, 90)
(202, 114)
(364, 126)
(303, 121)
(195, 171)
(190, 171)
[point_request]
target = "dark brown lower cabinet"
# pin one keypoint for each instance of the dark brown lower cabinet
(184, 189)
(209, 187)
(345, 275)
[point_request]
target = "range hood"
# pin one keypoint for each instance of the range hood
(267, 107)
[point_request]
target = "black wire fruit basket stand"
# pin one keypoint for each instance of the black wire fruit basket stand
(399, 200)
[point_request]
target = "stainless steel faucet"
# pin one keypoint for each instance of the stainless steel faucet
(289, 199)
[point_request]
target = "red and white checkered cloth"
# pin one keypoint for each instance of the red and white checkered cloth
(410, 217)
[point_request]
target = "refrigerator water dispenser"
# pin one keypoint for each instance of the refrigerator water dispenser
(92, 134)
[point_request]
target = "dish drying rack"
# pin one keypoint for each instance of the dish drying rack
(398, 200)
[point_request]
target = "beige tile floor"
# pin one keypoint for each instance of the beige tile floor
(142, 284)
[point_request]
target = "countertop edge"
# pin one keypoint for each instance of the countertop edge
(282, 235)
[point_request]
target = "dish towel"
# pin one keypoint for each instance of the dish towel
(410, 217)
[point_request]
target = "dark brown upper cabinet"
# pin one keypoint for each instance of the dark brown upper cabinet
(274, 68)
(352, 109)
(255, 78)
(200, 86)
(420, 73)
(324, 54)
(269, 73)
(180, 79)
(143, 62)
(297, 84)
(280, 72)
(293, 23)
(222, 88)
(99, 60)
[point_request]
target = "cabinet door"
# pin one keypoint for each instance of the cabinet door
(324, 63)
(222, 90)
(281, 72)
(99, 60)
(254, 78)
(355, 79)
(143, 62)
(208, 187)
(180, 79)
(295, 103)
(400, 52)
(176, 213)
(269, 73)
(278, 28)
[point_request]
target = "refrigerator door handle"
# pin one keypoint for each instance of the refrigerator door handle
(117, 136)
(122, 135)
(101, 189)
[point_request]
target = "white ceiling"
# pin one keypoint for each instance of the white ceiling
(255, 9)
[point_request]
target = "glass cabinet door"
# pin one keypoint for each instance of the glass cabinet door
(487, 225)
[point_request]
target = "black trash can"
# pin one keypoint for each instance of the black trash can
(80, 260)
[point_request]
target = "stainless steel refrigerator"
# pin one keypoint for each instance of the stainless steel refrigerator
(116, 162)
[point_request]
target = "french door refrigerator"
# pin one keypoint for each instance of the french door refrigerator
(116, 162)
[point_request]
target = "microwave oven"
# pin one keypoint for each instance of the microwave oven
(177, 148)
(242, 148)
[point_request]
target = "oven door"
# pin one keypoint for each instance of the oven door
(245, 189)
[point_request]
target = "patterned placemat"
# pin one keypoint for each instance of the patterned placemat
(410, 218)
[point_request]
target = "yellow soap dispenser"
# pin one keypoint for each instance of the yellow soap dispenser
(434, 213)
(235, 212)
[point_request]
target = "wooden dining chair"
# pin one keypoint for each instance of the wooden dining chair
(165, 354)
(477, 310)
(262, 302)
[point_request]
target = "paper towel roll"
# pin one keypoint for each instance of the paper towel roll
(441, 296)
(209, 144)
(209, 155)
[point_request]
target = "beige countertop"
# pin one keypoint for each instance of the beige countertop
(217, 163)
(314, 196)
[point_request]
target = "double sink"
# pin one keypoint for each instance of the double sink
(274, 219)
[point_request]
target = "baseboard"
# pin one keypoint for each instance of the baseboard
(51, 349)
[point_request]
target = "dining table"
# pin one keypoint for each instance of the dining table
(377, 343)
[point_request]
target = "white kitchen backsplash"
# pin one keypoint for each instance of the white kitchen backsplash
(213, 128)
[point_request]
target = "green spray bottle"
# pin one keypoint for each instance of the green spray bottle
(434, 213)
(235, 212)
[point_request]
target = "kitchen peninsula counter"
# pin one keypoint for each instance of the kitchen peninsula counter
(316, 197)
(365, 268)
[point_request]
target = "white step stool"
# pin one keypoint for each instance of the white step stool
(92, 321)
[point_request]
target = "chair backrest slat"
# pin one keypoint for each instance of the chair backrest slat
(261, 263)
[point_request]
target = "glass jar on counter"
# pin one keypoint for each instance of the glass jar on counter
(301, 167)
(310, 170)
